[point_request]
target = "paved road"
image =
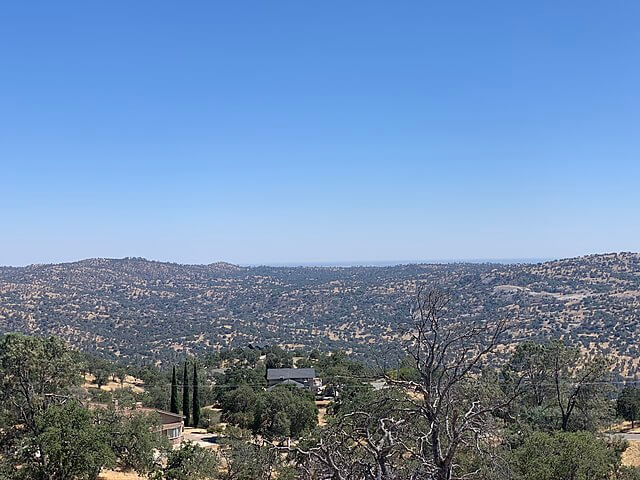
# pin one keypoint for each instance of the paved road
(200, 437)
(627, 436)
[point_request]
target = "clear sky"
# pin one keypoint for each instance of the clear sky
(297, 131)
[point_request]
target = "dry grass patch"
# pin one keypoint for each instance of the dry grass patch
(322, 411)
(135, 384)
(114, 475)
(624, 427)
(631, 456)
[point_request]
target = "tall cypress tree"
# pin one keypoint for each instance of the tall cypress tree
(185, 395)
(196, 397)
(174, 392)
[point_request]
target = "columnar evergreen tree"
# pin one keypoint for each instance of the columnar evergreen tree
(196, 397)
(174, 392)
(185, 395)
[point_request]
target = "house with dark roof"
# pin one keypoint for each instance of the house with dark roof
(297, 377)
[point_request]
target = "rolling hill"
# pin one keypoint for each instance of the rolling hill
(140, 310)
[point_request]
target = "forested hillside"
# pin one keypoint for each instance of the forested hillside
(138, 309)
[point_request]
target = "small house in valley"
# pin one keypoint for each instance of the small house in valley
(172, 425)
(297, 377)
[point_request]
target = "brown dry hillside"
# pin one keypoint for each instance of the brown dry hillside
(135, 308)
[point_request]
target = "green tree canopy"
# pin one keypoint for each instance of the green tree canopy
(185, 395)
(285, 412)
(134, 438)
(67, 445)
(196, 396)
(567, 455)
(276, 357)
(565, 388)
(282, 412)
(628, 404)
(239, 406)
(173, 407)
(34, 373)
(190, 462)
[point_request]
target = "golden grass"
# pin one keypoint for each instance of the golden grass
(322, 411)
(130, 382)
(114, 475)
(631, 456)
(623, 427)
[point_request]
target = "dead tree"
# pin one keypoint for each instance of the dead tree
(440, 406)
(363, 444)
(452, 410)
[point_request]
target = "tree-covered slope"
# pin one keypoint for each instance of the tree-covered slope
(139, 309)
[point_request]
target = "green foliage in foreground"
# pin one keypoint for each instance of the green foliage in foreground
(249, 461)
(135, 439)
(567, 455)
(66, 445)
(46, 433)
(565, 389)
(281, 412)
(190, 462)
(34, 374)
(628, 404)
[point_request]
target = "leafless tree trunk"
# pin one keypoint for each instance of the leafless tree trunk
(361, 445)
(448, 355)
(444, 405)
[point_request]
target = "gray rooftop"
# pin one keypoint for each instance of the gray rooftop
(287, 382)
(290, 373)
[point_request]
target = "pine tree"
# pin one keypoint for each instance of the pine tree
(185, 395)
(174, 392)
(196, 397)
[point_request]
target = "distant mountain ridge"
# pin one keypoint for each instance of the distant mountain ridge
(141, 309)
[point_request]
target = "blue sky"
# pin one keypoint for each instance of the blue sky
(266, 132)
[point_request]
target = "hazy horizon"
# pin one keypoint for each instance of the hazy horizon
(346, 263)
